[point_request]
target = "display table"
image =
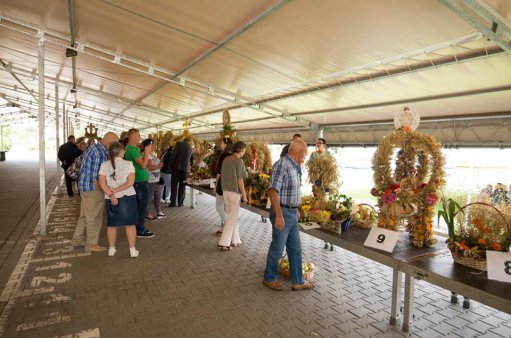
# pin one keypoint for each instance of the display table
(353, 240)
(264, 213)
(432, 264)
(441, 270)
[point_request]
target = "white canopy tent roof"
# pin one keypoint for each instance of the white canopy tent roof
(279, 67)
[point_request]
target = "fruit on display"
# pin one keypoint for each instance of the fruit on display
(365, 213)
(306, 267)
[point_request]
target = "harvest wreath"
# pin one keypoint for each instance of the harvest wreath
(408, 193)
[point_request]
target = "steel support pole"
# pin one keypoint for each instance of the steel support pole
(64, 132)
(42, 143)
(2, 137)
(57, 135)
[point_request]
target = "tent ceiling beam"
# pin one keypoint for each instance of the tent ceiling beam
(374, 71)
(471, 117)
(79, 105)
(484, 19)
(100, 93)
(213, 49)
(407, 101)
(234, 99)
(349, 77)
(70, 8)
(29, 105)
(155, 110)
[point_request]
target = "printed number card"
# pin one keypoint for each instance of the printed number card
(382, 239)
(499, 265)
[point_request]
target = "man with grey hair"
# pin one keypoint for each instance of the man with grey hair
(284, 192)
(92, 207)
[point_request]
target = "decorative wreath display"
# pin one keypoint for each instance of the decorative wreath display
(411, 191)
(201, 152)
(323, 177)
(228, 131)
(258, 157)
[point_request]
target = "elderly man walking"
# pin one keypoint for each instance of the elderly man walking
(284, 194)
(92, 207)
(68, 152)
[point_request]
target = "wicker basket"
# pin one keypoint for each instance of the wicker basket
(364, 224)
(284, 270)
(478, 263)
(332, 226)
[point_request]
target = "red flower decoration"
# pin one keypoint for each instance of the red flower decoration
(395, 186)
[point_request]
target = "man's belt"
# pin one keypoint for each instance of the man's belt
(287, 206)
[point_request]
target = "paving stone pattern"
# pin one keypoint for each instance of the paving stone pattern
(182, 286)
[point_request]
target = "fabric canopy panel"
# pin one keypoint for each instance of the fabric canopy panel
(277, 66)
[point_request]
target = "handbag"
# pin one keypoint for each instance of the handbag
(161, 181)
(74, 169)
(219, 190)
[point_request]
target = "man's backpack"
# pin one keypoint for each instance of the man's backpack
(74, 169)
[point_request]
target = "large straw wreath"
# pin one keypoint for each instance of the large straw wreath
(407, 193)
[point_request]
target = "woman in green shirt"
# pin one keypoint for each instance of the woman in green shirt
(233, 175)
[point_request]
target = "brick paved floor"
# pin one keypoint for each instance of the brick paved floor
(182, 286)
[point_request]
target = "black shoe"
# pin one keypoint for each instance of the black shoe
(180, 205)
(145, 234)
(172, 205)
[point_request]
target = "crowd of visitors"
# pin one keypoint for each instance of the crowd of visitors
(498, 197)
(124, 175)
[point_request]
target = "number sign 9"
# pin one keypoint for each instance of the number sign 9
(382, 239)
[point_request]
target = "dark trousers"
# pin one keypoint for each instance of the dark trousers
(69, 182)
(177, 187)
(142, 190)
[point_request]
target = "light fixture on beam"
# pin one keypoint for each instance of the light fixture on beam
(71, 52)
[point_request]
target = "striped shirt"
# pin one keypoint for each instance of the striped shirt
(286, 178)
(91, 162)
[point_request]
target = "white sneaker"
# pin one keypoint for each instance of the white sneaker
(134, 253)
(111, 251)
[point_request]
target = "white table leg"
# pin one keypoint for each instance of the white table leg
(396, 296)
(409, 297)
(192, 198)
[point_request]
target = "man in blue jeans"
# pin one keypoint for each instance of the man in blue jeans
(132, 153)
(285, 196)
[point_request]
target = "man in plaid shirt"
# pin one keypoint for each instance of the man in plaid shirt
(285, 196)
(93, 199)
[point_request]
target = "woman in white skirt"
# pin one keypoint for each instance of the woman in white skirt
(233, 175)
(116, 179)
(225, 147)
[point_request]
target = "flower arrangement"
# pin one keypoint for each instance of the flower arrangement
(406, 194)
(364, 216)
(257, 185)
(201, 150)
(484, 227)
(307, 210)
(258, 157)
(323, 177)
(340, 207)
(337, 211)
